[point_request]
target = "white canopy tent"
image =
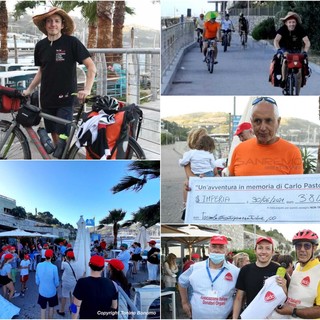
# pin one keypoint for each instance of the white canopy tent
(19, 233)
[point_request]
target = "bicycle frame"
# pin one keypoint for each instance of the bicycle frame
(34, 137)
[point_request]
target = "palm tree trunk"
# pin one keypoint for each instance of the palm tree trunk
(92, 37)
(3, 32)
(115, 234)
(104, 13)
(118, 23)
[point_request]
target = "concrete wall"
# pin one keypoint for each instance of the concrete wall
(6, 204)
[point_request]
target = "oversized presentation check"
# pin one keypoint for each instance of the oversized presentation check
(260, 199)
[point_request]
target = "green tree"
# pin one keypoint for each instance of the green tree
(19, 212)
(114, 217)
(309, 162)
(144, 171)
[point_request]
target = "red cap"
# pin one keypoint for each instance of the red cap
(12, 248)
(45, 246)
(195, 256)
(243, 126)
(97, 261)
(117, 264)
(4, 248)
(268, 239)
(70, 254)
(69, 245)
(26, 256)
(219, 239)
(152, 242)
(8, 256)
(48, 253)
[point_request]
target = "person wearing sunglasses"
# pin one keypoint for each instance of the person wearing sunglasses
(304, 289)
(266, 153)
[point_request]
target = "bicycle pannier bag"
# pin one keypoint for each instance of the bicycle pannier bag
(112, 136)
(294, 60)
(28, 115)
(275, 76)
(9, 99)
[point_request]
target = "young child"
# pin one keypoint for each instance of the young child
(24, 273)
(200, 159)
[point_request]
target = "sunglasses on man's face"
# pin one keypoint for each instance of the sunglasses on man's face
(306, 246)
(259, 99)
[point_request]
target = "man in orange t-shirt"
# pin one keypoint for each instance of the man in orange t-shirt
(266, 154)
(211, 30)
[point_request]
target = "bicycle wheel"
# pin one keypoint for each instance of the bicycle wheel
(211, 61)
(16, 146)
(225, 42)
(291, 84)
(134, 151)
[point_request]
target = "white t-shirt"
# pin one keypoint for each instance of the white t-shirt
(24, 263)
(226, 24)
(200, 161)
(67, 276)
(200, 23)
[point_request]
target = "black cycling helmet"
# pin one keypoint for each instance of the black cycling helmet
(305, 235)
(241, 14)
(105, 103)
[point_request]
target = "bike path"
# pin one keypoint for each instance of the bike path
(239, 72)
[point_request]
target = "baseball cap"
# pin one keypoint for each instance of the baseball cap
(243, 126)
(117, 264)
(12, 248)
(124, 245)
(26, 256)
(70, 254)
(69, 245)
(97, 261)
(45, 246)
(152, 242)
(195, 256)
(268, 239)
(219, 239)
(48, 253)
(8, 256)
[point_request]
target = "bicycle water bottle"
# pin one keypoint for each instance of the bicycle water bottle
(45, 140)
(281, 271)
(60, 146)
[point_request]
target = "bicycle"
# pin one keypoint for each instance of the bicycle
(293, 82)
(226, 39)
(200, 42)
(15, 145)
(210, 54)
(243, 39)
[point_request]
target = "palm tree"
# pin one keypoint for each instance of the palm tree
(118, 22)
(144, 171)
(3, 32)
(114, 217)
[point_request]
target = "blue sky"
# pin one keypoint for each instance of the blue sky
(69, 189)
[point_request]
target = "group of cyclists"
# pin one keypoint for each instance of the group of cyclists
(290, 38)
(213, 30)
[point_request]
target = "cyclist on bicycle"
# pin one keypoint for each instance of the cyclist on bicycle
(227, 26)
(199, 25)
(243, 26)
(211, 31)
(291, 38)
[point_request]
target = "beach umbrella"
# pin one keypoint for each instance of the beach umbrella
(210, 15)
(81, 247)
(143, 238)
(19, 233)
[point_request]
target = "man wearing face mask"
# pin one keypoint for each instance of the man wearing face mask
(213, 284)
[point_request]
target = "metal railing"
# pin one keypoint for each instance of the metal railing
(173, 39)
(130, 74)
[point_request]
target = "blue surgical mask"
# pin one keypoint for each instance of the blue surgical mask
(217, 258)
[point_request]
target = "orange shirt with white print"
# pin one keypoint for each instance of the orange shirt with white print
(211, 29)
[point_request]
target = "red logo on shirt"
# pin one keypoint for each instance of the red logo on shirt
(228, 276)
(269, 296)
(305, 281)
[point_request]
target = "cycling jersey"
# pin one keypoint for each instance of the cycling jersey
(211, 29)
(243, 24)
(292, 40)
(226, 25)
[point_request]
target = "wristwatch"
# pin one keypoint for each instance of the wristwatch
(294, 313)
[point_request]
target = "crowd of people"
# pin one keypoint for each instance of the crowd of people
(56, 265)
(224, 285)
